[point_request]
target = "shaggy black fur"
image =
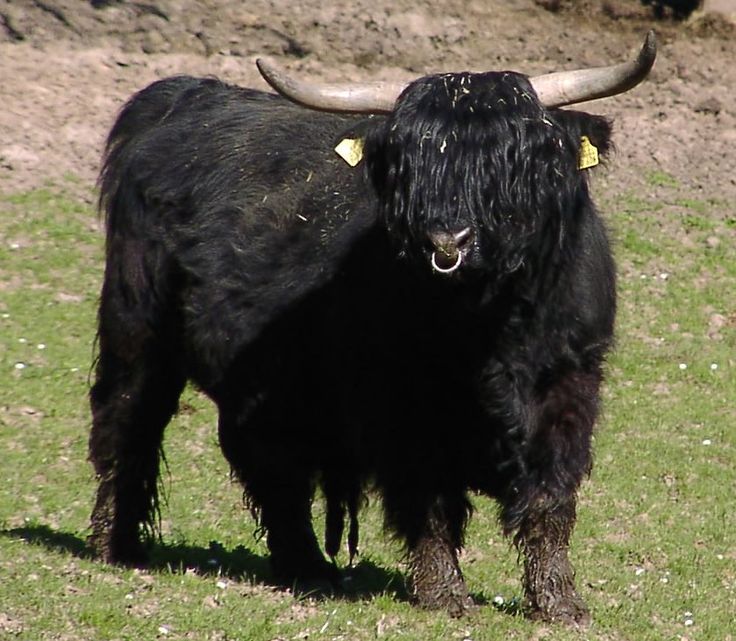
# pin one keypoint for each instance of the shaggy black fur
(297, 292)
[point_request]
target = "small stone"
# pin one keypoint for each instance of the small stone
(549, 5)
(710, 105)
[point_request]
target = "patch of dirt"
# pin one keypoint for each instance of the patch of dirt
(10, 625)
(67, 66)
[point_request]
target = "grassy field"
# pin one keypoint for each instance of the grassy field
(655, 546)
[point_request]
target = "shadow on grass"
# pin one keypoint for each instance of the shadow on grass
(61, 542)
(364, 580)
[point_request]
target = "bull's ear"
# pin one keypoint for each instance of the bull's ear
(350, 142)
(596, 128)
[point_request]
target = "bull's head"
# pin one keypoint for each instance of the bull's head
(472, 169)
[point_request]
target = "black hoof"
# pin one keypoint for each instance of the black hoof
(569, 610)
(317, 576)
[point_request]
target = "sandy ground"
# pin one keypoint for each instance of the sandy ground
(66, 67)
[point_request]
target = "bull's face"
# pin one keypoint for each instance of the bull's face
(473, 173)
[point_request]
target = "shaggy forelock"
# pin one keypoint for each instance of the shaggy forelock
(474, 149)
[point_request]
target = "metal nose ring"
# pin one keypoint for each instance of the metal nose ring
(446, 270)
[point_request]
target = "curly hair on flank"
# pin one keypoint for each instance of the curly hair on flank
(430, 324)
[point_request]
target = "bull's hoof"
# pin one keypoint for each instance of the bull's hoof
(129, 554)
(454, 598)
(456, 605)
(569, 610)
(317, 576)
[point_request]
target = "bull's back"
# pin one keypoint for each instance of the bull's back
(197, 144)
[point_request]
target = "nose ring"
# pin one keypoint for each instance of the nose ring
(446, 270)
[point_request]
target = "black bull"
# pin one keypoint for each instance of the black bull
(428, 324)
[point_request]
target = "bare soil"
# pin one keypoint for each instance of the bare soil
(66, 67)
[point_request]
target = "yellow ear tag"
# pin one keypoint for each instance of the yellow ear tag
(588, 154)
(350, 150)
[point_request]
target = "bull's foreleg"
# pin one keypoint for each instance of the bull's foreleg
(131, 405)
(436, 580)
(433, 530)
(543, 514)
(549, 579)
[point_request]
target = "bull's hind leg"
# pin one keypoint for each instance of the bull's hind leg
(558, 456)
(271, 465)
(132, 400)
(286, 516)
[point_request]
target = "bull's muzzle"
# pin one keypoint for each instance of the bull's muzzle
(450, 249)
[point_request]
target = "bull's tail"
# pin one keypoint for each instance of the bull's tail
(139, 372)
(120, 200)
(138, 272)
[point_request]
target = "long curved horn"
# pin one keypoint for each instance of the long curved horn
(570, 87)
(553, 89)
(365, 97)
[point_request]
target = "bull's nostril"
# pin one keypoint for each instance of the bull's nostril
(463, 237)
(450, 243)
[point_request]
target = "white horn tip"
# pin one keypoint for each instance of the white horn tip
(269, 71)
(648, 52)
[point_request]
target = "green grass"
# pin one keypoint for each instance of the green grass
(658, 178)
(656, 535)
